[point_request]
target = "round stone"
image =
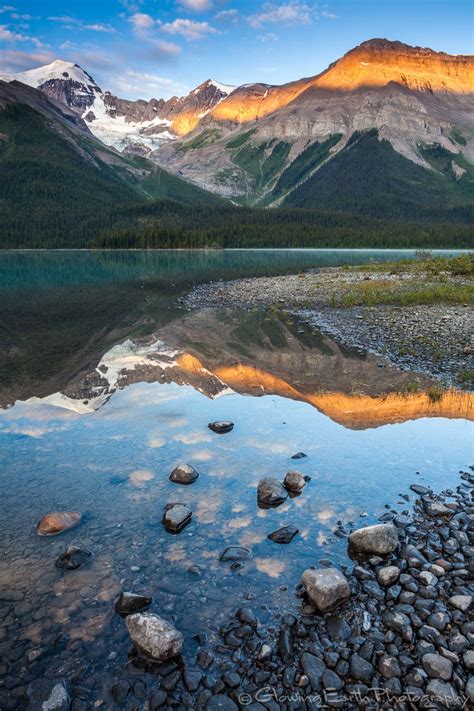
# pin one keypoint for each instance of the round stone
(221, 426)
(184, 474)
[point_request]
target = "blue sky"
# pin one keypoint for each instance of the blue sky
(145, 48)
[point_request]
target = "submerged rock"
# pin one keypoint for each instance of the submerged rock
(299, 455)
(284, 534)
(73, 558)
(326, 588)
(235, 553)
(176, 517)
(381, 539)
(221, 426)
(184, 474)
(154, 636)
(270, 493)
(47, 695)
(53, 523)
(294, 482)
(127, 603)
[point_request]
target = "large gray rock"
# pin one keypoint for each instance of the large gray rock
(442, 692)
(271, 492)
(437, 667)
(468, 659)
(379, 539)
(154, 636)
(326, 588)
(388, 575)
(461, 602)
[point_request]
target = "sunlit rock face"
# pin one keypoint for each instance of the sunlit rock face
(375, 63)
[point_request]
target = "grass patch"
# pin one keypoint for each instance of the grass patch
(466, 377)
(205, 138)
(461, 265)
(385, 291)
(239, 140)
(457, 136)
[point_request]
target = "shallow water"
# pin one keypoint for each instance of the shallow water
(286, 387)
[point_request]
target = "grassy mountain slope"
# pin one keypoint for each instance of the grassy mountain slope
(58, 183)
(368, 176)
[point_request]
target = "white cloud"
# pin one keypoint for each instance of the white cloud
(268, 37)
(230, 15)
(169, 49)
(12, 37)
(290, 13)
(141, 21)
(196, 5)
(140, 84)
(72, 23)
(189, 29)
(14, 60)
(7, 8)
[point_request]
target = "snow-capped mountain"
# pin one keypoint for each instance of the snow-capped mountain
(139, 126)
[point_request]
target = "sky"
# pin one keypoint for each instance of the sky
(160, 48)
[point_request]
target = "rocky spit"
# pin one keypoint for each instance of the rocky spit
(392, 630)
(434, 339)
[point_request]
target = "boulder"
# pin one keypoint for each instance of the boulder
(388, 576)
(380, 539)
(72, 558)
(53, 523)
(294, 482)
(154, 636)
(283, 535)
(270, 493)
(437, 667)
(299, 455)
(184, 474)
(221, 427)
(127, 603)
(441, 691)
(461, 602)
(326, 588)
(176, 517)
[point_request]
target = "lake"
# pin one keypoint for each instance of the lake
(107, 383)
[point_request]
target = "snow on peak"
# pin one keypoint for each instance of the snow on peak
(56, 70)
(225, 88)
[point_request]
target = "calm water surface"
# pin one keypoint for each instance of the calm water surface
(103, 440)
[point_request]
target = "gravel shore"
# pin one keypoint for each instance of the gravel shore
(435, 339)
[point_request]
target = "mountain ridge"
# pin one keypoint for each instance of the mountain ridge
(387, 130)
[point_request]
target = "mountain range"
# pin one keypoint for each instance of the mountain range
(386, 131)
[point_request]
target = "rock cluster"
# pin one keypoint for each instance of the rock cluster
(405, 630)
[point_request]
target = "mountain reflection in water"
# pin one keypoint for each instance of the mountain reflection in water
(256, 353)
